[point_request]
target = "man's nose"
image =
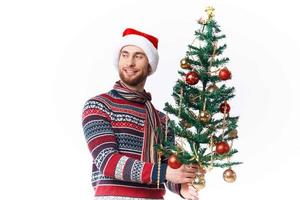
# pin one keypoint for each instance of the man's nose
(130, 62)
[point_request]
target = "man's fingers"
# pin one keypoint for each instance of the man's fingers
(190, 175)
(191, 197)
(191, 166)
(193, 192)
(194, 166)
(192, 189)
(188, 180)
(191, 169)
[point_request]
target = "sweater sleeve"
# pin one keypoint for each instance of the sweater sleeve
(173, 187)
(102, 144)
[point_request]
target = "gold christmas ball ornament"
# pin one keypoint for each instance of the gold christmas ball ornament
(184, 64)
(212, 88)
(229, 175)
(204, 116)
(233, 133)
(185, 124)
(198, 182)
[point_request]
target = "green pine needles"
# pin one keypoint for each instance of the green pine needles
(203, 125)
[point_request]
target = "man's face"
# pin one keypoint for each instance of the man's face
(133, 66)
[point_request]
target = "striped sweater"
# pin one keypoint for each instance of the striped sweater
(114, 132)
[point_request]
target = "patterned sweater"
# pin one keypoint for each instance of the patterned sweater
(114, 131)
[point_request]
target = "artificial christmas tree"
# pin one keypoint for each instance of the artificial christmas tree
(203, 126)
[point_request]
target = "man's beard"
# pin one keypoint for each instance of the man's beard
(135, 81)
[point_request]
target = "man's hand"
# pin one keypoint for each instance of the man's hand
(188, 191)
(184, 174)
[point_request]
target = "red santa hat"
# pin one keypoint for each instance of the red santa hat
(145, 41)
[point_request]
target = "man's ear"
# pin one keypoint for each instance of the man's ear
(149, 69)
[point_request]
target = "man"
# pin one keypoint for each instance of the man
(120, 128)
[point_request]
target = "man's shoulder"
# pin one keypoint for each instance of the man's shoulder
(161, 115)
(100, 99)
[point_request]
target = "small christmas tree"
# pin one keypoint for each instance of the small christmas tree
(204, 128)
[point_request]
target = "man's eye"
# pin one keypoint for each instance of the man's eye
(139, 56)
(124, 55)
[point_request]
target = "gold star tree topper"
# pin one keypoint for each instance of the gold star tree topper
(210, 12)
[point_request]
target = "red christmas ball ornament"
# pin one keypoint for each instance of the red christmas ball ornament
(224, 107)
(173, 162)
(222, 147)
(192, 78)
(224, 74)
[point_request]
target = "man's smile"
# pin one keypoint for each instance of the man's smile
(130, 71)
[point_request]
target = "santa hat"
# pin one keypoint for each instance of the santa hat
(145, 41)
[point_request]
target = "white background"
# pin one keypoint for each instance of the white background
(54, 55)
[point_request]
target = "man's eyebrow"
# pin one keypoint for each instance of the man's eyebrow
(135, 53)
(139, 52)
(124, 51)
